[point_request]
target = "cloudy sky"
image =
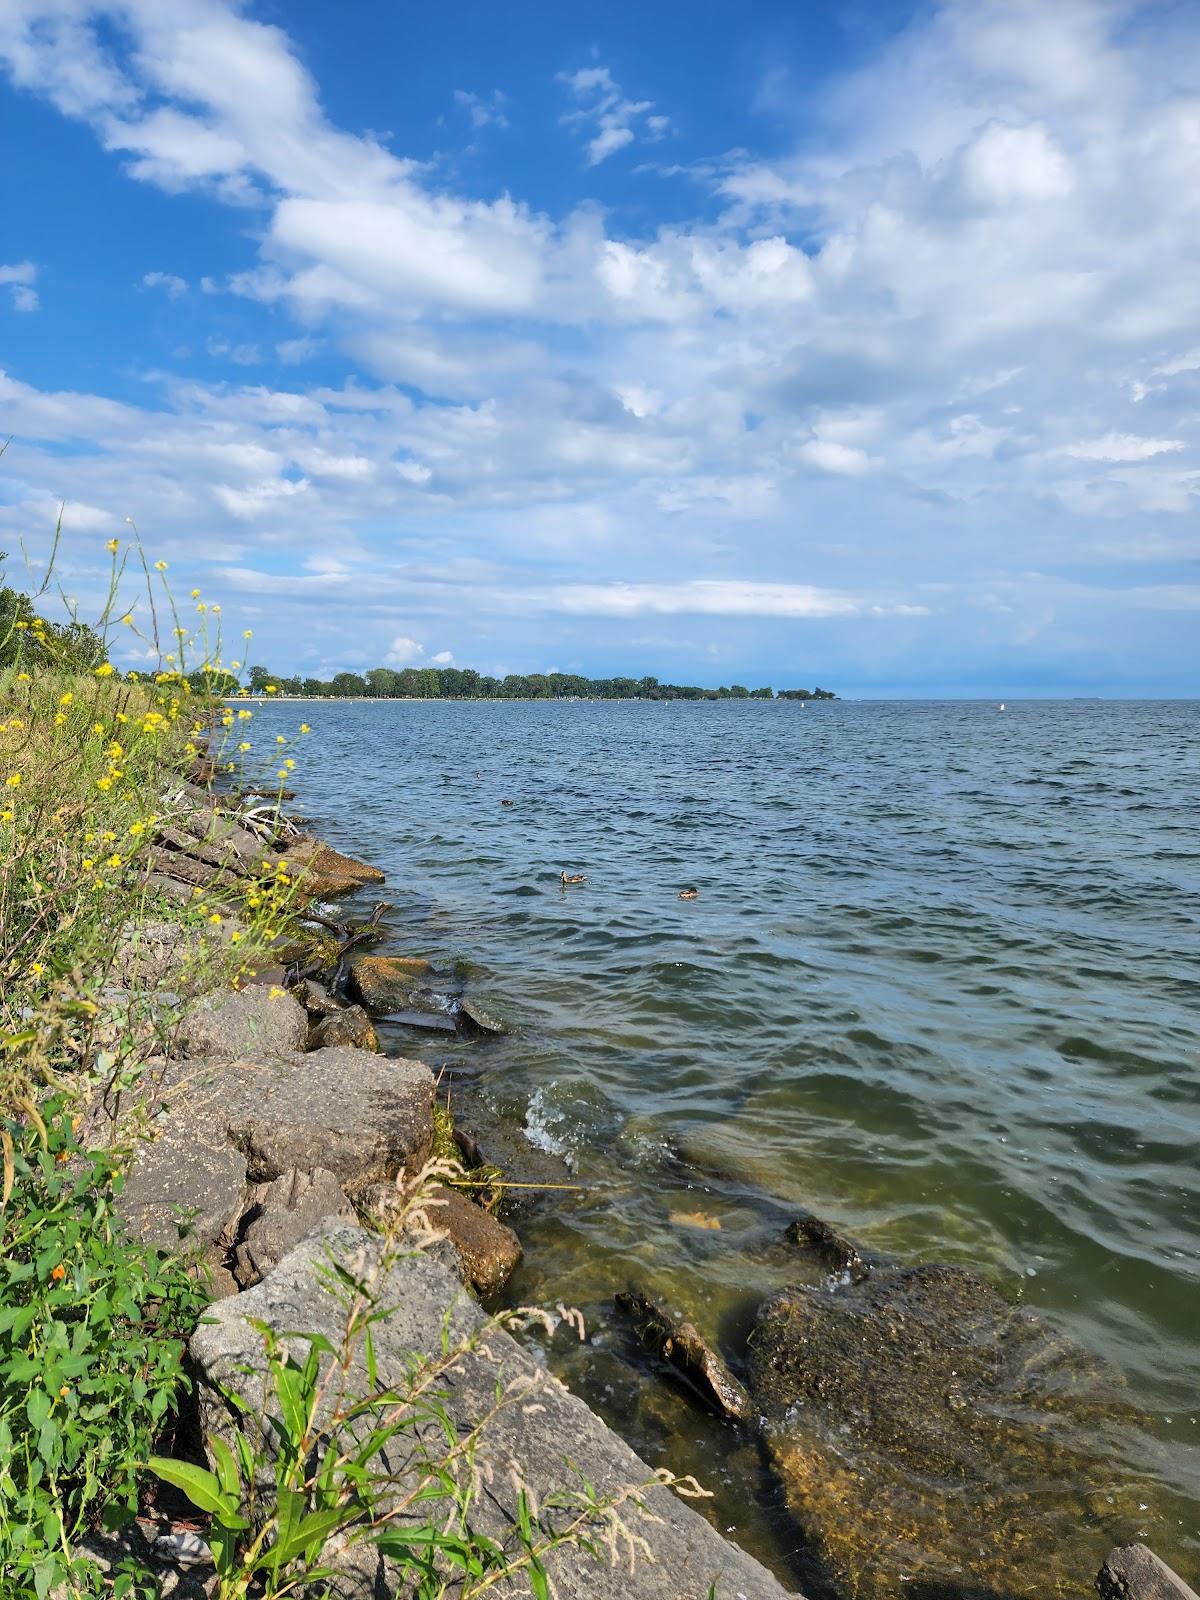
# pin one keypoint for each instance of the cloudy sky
(777, 343)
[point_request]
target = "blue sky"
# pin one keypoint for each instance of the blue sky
(856, 344)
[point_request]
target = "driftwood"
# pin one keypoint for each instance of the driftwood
(349, 938)
(1133, 1572)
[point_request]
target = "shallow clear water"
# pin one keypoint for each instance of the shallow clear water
(940, 987)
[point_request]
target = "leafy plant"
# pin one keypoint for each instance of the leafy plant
(92, 1330)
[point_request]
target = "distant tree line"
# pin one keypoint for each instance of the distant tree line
(462, 683)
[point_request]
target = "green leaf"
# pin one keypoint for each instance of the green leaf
(227, 1472)
(202, 1488)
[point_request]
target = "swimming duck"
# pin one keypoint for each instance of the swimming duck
(572, 877)
(689, 894)
(506, 802)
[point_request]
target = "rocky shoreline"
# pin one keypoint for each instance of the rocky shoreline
(287, 1139)
(282, 1139)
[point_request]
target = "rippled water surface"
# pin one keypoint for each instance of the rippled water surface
(940, 986)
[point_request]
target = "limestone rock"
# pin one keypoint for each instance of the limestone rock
(224, 1122)
(350, 1026)
(186, 1180)
(283, 1212)
(240, 1022)
(477, 1020)
(325, 871)
(550, 1433)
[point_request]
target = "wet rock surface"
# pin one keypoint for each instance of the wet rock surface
(1136, 1573)
(385, 984)
(826, 1245)
(680, 1344)
(932, 1438)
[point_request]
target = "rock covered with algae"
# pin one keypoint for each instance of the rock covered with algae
(934, 1440)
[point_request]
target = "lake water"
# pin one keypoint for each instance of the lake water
(940, 987)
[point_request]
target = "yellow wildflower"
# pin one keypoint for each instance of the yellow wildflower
(65, 699)
(13, 781)
(104, 783)
(127, 619)
(23, 677)
(115, 861)
(245, 745)
(88, 863)
(104, 671)
(304, 728)
(113, 546)
(36, 969)
(160, 566)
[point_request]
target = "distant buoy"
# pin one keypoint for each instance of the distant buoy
(1002, 705)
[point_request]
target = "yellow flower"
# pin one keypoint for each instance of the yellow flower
(235, 937)
(97, 727)
(109, 837)
(290, 764)
(105, 671)
(245, 745)
(115, 752)
(137, 829)
(59, 720)
(121, 717)
(271, 689)
(115, 861)
(23, 677)
(282, 773)
(104, 783)
(113, 546)
(88, 863)
(160, 566)
(127, 619)
(6, 815)
(65, 699)
(215, 918)
(195, 594)
(201, 608)
(36, 969)
(244, 715)
(279, 739)
(15, 724)
(21, 627)
(275, 992)
(13, 781)
(217, 610)
(304, 728)
(248, 633)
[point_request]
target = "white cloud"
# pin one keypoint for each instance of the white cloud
(444, 658)
(403, 652)
(831, 456)
(172, 286)
(613, 120)
(19, 279)
(483, 111)
(1121, 447)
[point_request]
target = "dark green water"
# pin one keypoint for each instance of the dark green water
(940, 987)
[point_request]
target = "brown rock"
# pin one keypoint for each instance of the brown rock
(383, 983)
(487, 1251)
(832, 1249)
(350, 1026)
(319, 864)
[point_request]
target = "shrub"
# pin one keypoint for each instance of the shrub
(92, 1330)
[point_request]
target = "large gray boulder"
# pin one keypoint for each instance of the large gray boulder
(222, 1123)
(256, 1020)
(543, 1434)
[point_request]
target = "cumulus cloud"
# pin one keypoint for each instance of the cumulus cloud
(608, 118)
(483, 111)
(403, 652)
(172, 286)
(937, 341)
(19, 280)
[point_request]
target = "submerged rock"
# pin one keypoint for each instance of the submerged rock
(477, 1020)
(833, 1250)
(681, 1345)
(929, 1435)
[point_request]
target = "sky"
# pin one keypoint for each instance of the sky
(855, 344)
